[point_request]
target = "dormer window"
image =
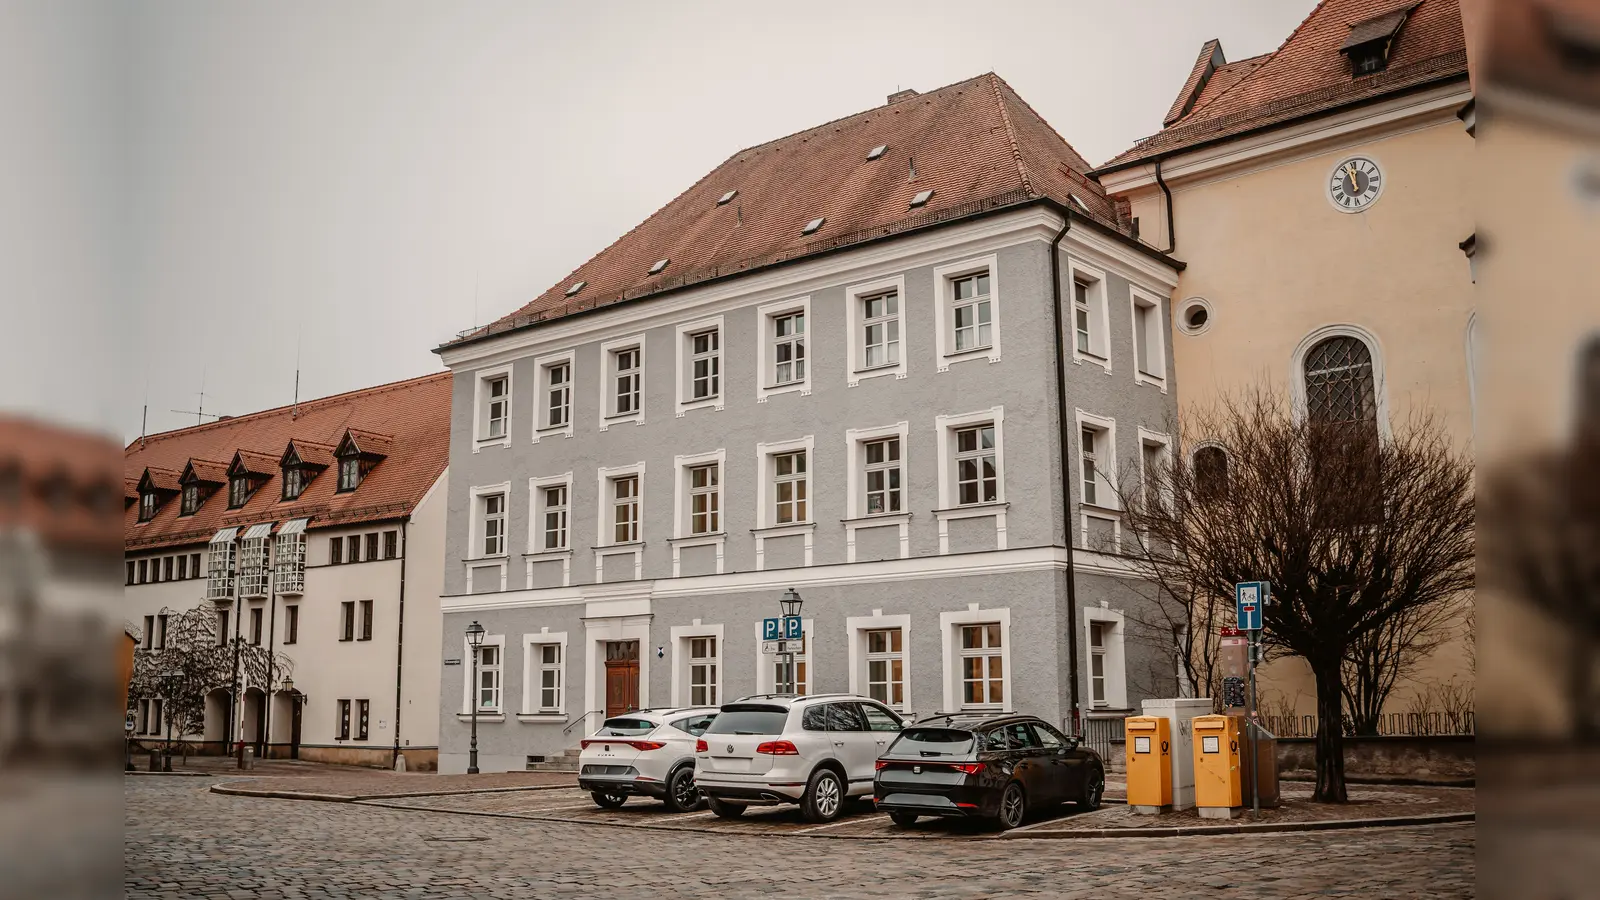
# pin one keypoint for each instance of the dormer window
(294, 482)
(148, 503)
(191, 499)
(349, 473)
(1370, 41)
(240, 487)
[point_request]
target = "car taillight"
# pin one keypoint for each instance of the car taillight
(879, 765)
(778, 748)
(700, 747)
(646, 745)
(968, 768)
(584, 744)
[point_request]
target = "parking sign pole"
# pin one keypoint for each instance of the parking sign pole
(1255, 748)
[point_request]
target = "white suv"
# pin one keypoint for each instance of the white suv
(649, 752)
(777, 748)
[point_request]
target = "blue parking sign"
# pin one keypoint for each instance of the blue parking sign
(793, 628)
(1249, 598)
(772, 629)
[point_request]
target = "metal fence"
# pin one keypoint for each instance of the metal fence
(1105, 736)
(1389, 725)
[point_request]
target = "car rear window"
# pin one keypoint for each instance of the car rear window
(750, 720)
(934, 742)
(624, 726)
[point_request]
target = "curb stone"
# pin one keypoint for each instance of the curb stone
(227, 788)
(1250, 827)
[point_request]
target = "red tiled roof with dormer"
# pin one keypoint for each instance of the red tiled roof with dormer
(1308, 75)
(413, 416)
(60, 485)
(977, 145)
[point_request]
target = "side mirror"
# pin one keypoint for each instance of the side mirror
(1072, 743)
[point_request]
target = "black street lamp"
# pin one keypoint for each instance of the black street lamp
(790, 604)
(169, 684)
(475, 640)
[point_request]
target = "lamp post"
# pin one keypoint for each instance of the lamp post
(474, 640)
(790, 605)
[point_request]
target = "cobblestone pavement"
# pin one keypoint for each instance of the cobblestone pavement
(181, 840)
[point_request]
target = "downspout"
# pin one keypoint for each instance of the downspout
(1172, 235)
(1066, 470)
(400, 642)
(272, 645)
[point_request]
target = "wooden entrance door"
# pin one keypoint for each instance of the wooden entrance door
(622, 677)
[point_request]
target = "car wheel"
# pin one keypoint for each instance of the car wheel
(903, 819)
(1094, 787)
(824, 797)
(1013, 807)
(608, 800)
(682, 795)
(724, 809)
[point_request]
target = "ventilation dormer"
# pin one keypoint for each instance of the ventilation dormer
(200, 479)
(156, 487)
(248, 471)
(301, 463)
(1370, 41)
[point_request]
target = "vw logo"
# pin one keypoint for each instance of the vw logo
(730, 748)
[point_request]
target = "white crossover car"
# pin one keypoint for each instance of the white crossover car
(649, 752)
(816, 751)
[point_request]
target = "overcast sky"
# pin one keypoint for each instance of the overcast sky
(349, 184)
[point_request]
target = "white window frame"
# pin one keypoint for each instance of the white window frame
(1156, 337)
(685, 360)
(767, 664)
(480, 407)
(683, 664)
(856, 440)
(469, 685)
(682, 506)
(1116, 659)
(1099, 315)
(536, 503)
(542, 368)
(1297, 370)
(767, 525)
(1148, 438)
(606, 531)
(1105, 461)
(860, 658)
(766, 353)
(533, 668)
(944, 279)
(950, 632)
(608, 383)
(477, 528)
(945, 427)
(854, 294)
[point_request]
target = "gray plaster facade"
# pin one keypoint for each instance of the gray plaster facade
(927, 571)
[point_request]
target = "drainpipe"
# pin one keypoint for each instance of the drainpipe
(272, 644)
(234, 711)
(1066, 469)
(400, 641)
(1172, 235)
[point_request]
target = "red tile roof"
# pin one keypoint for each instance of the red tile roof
(312, 453)
(976, 145)
(1308, 75)
(1205, 65)
(59, 484)
(208, 471)
(416, 413)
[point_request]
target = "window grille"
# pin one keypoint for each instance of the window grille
(1339, 382)
(253, 566)
(219, 573)
(289, 560)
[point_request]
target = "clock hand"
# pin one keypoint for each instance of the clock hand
(1355, 185)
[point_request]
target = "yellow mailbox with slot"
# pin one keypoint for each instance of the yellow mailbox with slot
(1149, 749)
(1218, 773)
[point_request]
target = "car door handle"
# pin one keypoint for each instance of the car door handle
(838, 743)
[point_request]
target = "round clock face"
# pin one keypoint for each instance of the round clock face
(1355, 184)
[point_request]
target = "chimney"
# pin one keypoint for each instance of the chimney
(906, 94)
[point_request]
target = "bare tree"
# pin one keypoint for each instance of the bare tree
(192, 662)
(1350, 529)
(1379, 659)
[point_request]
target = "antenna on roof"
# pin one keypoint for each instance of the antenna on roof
(913, 159)
(144, 420)
(200, 412)
(294, 413)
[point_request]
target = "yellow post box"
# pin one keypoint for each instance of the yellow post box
(1218, 776)
(1149, 749)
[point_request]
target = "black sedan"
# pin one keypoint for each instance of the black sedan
(994, 767)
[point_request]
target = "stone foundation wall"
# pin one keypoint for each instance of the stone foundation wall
(1442, 757)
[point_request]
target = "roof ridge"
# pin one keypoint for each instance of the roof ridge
(1011, 134)
(1271, 53)
(1046, 122)
(315, 401)
(862, 112)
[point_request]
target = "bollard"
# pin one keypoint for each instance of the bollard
(166, 760)
(155, 760)
(247, 757)
(399, 762)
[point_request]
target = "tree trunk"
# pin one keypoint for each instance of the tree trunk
(1330, 734)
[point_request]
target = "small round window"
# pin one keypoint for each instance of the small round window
(1195, 316)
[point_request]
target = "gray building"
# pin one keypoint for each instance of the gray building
(831, 365)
